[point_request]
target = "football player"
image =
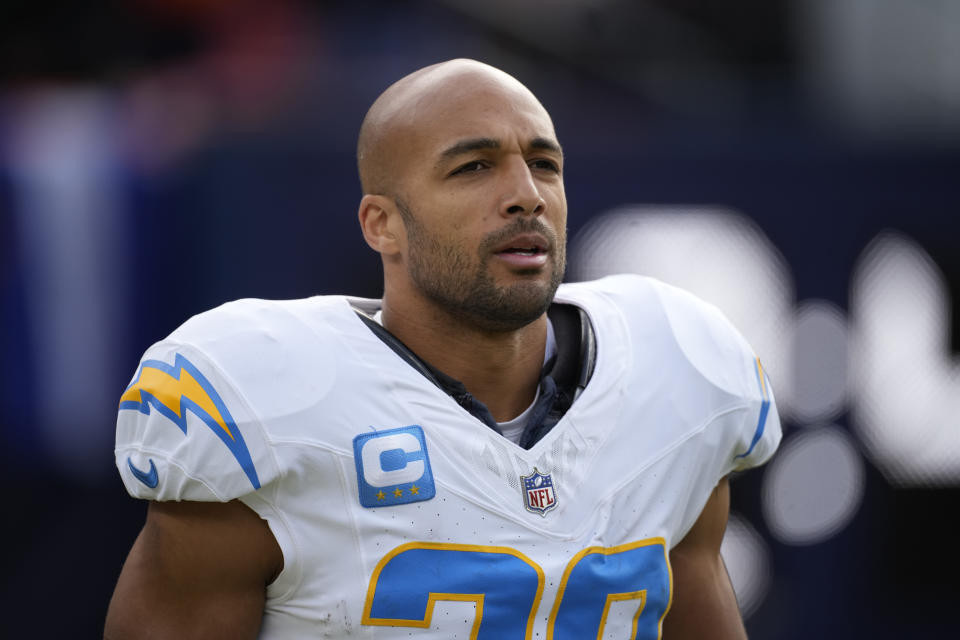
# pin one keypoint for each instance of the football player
(482, 453)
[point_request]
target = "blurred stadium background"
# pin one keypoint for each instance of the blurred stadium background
(796, 163)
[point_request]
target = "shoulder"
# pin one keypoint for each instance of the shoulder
(193, 424)
(688, 346)
(257, 319)
(652, 310)
(639, 296)
(268, 348)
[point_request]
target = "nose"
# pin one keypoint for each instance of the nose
(521, 194)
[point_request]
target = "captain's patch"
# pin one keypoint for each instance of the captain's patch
(393, 467)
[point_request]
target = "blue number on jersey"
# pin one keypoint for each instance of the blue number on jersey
(507, 586)
(597, 577)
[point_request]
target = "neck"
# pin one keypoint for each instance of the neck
(499, 368)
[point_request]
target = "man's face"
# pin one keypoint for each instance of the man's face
(484, 208)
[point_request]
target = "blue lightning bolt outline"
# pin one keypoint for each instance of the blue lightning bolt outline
(764, 409)
(237, 446)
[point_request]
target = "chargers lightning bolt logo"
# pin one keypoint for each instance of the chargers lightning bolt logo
(173, 390)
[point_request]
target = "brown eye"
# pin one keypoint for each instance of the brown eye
(470, 167)
(548, 165)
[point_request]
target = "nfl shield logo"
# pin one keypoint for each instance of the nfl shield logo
(538, 494)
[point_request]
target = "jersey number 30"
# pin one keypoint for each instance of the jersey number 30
(507, 587)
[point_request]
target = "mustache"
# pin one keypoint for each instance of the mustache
(518, 226)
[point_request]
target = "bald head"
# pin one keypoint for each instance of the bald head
(410, 106)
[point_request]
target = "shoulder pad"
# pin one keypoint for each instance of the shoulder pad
(185, 433)
(718, 351)
(713, 348)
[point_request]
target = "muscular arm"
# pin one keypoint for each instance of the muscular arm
(704, 605)
(197, 570)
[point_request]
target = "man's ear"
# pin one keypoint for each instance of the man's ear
(378, 220)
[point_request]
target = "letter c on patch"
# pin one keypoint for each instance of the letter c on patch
(411, 465)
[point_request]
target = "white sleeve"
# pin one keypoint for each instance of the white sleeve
(759, 433)
(724, 358)
(184, 432)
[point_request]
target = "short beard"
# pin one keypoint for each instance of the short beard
(468, 292)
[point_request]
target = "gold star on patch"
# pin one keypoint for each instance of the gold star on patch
(381, 495)
(414, 489)
(397, 493)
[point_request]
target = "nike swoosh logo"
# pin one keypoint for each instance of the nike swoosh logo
(149, 478)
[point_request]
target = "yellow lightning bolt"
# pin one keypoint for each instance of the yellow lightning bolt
(169, 390)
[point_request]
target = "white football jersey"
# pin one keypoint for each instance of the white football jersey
(399, 514)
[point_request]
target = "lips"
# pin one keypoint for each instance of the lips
(527, 244)
(524, 251)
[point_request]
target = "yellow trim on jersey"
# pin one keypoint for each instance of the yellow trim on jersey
(169, 391)
(763, 379)
(622, 597)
